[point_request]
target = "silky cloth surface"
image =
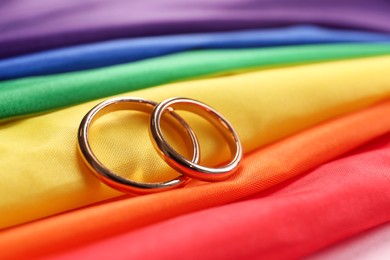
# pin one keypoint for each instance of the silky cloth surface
(372, 244)
(260, 170)
(41, 151)
(331, 203)
(29, 26)
(126, 50)
(34, 95)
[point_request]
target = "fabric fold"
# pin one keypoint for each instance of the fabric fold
(40, 94)
(108, 53)
(261, 169)
(365, 245)
(264, 106)
(40, 25)
(331, 203)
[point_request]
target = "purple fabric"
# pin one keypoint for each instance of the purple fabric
(28, 26)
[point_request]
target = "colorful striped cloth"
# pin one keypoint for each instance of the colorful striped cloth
(280, 218)
(113, 52)
(28, 26)
(256, 126)
(40, 94)
(305, 83)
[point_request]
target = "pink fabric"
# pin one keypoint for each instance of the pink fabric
(333, 202)
(373, 244)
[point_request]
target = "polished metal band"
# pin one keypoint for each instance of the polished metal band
(180, 163)
(163, 111)
(106, 175)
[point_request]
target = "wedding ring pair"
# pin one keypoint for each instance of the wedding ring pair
(188, 168)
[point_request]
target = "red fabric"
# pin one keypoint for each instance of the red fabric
(333, 202)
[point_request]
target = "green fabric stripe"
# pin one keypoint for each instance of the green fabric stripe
(39, 94)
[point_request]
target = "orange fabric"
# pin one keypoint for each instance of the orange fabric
(277, 162)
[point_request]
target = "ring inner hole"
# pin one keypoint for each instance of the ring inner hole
(214, 150)
(120, 141)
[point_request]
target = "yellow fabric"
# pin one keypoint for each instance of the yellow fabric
(41, 174)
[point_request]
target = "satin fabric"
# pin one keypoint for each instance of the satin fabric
(285, 223)
(30, 26)
(41, 94)
(331, 203)
(371, 244)
(50, 177)
(108, 53)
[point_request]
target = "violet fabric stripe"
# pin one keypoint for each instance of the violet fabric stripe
(29, 26)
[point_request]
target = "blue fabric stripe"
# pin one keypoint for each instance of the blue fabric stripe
(108, 53)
